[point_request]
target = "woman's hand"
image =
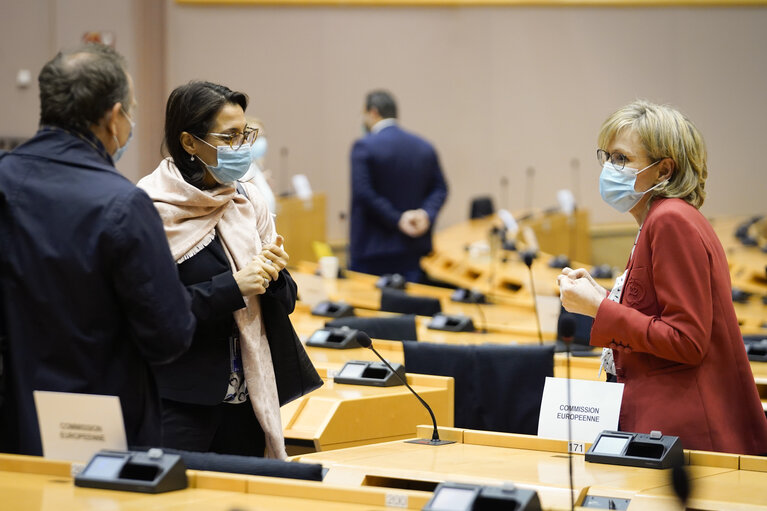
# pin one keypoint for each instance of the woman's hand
(579, 293)
(582, 273)
(254, 278)
(274, 257)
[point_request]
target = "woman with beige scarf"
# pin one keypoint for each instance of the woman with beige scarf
(220, 396)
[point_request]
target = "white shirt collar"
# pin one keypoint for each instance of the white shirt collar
(383, 123)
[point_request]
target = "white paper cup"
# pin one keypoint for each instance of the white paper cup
(329, 267)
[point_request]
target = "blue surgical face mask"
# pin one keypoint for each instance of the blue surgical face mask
(232, 163)
(258, 150)
(617, 186)
(121, 150)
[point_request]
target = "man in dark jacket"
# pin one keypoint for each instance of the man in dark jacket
(90, 292)
(397, 191)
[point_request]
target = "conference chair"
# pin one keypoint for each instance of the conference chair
(580, 334)
(394, 300)
(396, 328)
(497, 387)
(249, 465)
(481, 207)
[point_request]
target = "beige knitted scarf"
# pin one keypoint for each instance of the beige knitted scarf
(190, 216)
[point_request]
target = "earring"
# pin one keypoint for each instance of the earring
(191, 158)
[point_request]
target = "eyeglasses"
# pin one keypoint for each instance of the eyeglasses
(236, 140)
(617, 159)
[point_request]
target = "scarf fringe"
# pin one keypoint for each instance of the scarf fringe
(198, 248)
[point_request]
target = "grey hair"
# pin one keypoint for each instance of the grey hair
(78, 87)
(383, 102)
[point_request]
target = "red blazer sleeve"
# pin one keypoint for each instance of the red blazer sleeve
(667, 303)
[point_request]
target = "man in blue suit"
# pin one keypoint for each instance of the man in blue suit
(89, 292)
(397, 192)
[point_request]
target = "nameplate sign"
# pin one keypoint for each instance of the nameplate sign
(593, 407)
(73, 427)
(313, 289)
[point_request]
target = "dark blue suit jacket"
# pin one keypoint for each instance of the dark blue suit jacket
(392, 171)
(90, 292)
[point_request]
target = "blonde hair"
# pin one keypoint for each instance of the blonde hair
(665, 133)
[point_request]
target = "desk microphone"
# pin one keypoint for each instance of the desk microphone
(681, 482)
(528, 257)
(566, 329)
(364, 340)
(495, 243)
(465, 295)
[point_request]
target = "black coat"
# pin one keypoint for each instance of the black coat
(89, 289)
(201, 375)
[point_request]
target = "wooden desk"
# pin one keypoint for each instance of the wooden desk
(302, 222)
(581, 367)
(527, 461)
(510, 280)
(612, 242)
(305, 323)
(338, 415)
(359, 291)
(442, 293)
(725, 227)
(752, 316)
(744, 489)
(479, 269)
(585, 368)
(28, 482)
(748, 271)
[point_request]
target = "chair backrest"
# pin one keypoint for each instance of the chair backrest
(497, 387)
(394, 300)
(481, 207)
(250, 465)
(583, 323)
(395, 328)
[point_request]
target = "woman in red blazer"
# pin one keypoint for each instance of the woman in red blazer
(669, 323)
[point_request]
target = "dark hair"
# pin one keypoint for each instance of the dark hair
(193, 108)
(78, 87)
(383, 102)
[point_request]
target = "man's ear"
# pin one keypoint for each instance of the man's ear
(111, 119)
(188, 142)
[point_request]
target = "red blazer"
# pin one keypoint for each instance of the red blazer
(676, 341)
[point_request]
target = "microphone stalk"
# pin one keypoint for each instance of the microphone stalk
(435, 432)
(569, 432)
(528, 260)
(364, 340)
